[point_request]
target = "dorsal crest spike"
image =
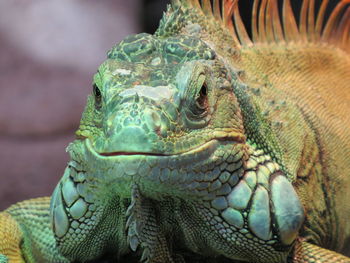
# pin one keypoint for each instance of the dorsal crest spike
(269, 22)
(290, 27)
(303, 19)
(269, 25)
(206, 6)
(333, 19)
(216, 9)
(311, 20)
(241, 31)
(262, 25)
(320, 18)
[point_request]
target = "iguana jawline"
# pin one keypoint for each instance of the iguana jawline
(195, 149)
(199, 148)
(132, 153)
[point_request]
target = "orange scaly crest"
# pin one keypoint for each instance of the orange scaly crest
(268, 27)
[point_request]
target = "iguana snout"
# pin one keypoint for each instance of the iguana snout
(137, 131)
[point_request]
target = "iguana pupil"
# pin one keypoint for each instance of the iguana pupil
(98, 96)
(203, 91)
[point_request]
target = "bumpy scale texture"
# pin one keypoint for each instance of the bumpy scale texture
(202, 144)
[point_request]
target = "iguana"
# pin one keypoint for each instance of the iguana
(203, 142)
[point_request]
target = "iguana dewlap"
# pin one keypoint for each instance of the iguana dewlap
(201, 143)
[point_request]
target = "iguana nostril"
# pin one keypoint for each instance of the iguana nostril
(153, 120)
(137, 98)
(156, 120)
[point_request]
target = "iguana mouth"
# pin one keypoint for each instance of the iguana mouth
(202, 147)
(132, 153)
(209, 145)
(218, 137)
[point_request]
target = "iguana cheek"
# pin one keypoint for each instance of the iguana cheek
(70, 193)
(59, 218)
(259, 216)
(69, 208)
(288, 210)
(262, 202)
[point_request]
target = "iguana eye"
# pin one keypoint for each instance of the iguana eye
(98, 96)
(202, 99)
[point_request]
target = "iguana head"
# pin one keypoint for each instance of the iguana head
(162, 114)
(160, 97)
(162, 100)
(166, 114)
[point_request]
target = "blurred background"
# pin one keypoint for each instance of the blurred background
(49, 51)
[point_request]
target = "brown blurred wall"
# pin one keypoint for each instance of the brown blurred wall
(49, 51)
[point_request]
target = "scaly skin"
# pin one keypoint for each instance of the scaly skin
(26, 235)
(200, 144)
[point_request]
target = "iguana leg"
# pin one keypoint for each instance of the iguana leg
(144, 229)
(85, 225)
(305, 252)
(10, 239)
(26, 235)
